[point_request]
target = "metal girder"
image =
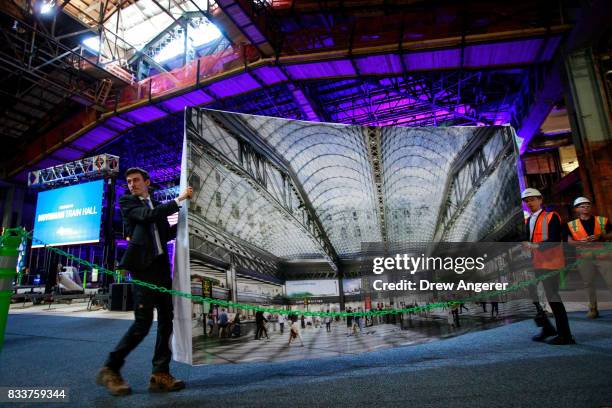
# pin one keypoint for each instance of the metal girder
(377, 18)
(276, 102)
(254, 160)
(181, 22)
(47, 63)
(208, 238)
(49, 50)
(541, 90)
(106, 32)
(18, 99)
(220, 256)
(246, 18)
(592, 129)
(165, 10)
(429, 100)
(539, 97)
(437, 96)
(467, 173)
(166, 194)
(372, 136)
(305, 104)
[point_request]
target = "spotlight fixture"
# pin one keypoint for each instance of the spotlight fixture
(46, 6)
(92, 43)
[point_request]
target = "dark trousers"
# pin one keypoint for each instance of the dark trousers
(145, 300)
(282, 327)
(261, 330)
(456, 317)
(494, 308)
(551, 288)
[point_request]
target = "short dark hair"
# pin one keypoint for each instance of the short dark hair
(143, 173)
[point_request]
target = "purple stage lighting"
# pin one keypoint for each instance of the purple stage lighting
(93, 138)
(325, 69)
(270, 75)
(233, 86)
(145, 114)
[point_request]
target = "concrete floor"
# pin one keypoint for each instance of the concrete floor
(500, 366)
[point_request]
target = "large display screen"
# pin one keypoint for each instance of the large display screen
(307, 288)
(322, 287)
(69, 215)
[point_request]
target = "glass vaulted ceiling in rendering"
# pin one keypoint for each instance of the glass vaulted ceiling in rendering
(229, 202)
(416, 164)
(423, 171)
(331, 163)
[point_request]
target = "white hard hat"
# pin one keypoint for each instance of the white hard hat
(530, 192)
(581, 200)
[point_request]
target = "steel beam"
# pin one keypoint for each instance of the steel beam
(372, 136)
(472, 158)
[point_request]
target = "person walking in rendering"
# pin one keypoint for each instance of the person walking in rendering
(223, 323)
(260, 321)
(328, 321)
(361, 322)
(281, 323)
(349, 322)
(494, 308)
(294, 332)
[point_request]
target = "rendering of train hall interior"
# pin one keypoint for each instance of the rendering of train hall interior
(306, 202)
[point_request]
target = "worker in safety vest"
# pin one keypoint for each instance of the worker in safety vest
(588, 233)
(543, 236)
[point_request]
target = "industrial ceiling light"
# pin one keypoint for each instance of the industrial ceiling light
(46, 6)
(92, 43)
(204, 33)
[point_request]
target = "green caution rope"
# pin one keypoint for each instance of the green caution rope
(374, 312)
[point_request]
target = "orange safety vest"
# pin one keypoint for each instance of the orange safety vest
(578, 232)
(550, 258)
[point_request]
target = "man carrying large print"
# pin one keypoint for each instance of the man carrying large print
(146, 258)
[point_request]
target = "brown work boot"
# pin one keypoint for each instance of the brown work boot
(113, 382)
(593, 313)
(164, 382)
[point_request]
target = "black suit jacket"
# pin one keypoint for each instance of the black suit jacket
(138, 219)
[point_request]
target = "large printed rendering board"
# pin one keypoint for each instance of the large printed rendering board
(270, 194)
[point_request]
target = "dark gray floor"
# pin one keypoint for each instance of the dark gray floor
(496, 367)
